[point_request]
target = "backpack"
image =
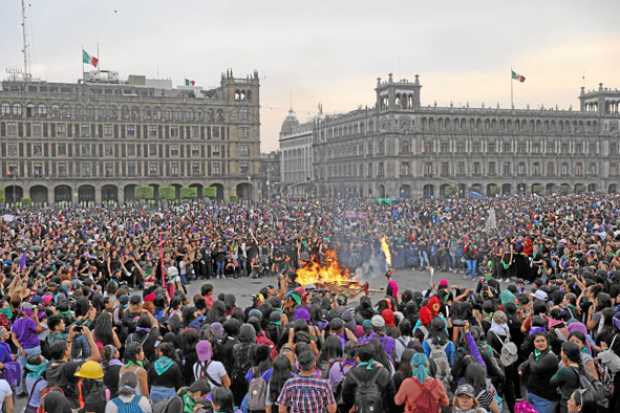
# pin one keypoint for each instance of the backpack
(132, 407)
(243, 362)
(609, 359)
(424, 402)
(173, 404)
(204, 374)
(43, 393)
(443, 370)
(594, 389)
(368, 397)
(509, 352)
(257, 392)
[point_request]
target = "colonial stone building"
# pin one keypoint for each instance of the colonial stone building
(399, 148)
(99, 139)
(296, 140)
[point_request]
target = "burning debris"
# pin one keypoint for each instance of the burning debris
(330, 276)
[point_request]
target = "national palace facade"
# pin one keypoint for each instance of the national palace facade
(400, 148)
(98, 140)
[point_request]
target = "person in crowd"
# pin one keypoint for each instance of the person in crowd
(164, 375)
(306, 393)
(421, 392)
(128, 400)
(134, 363)
(537, 372)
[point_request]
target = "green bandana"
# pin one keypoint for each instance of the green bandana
(368, 364)
(188, 403)
(134, 363)
(537, 354)
(8, 312)
(162, 365)
(36, 370)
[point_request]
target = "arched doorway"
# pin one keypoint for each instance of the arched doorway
(13, 193)
(245, 192)
(565, 189)
(86, 193)
(198, 187)
(522, 188)
(476, 188)
(177, 191)
(506, 189)
(219, 191)
(109, 193)
(592, 187)
(462, 188)
(580, 188)
(381, 191)
(428, 191)
(62, 193)
(551, 189)
(38, 195)
(129, 193)
(405, 191)
(612, 189)
(537, 189)
(492, 189)
(446, 190)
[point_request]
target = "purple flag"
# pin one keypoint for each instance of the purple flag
(22, 261)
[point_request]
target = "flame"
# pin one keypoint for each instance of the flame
(386, 251)
(330, 273)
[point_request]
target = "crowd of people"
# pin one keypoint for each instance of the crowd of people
(96, 313)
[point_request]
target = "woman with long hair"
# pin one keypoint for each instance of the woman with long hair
(420, 392)
(330, 353)
(475, 374)
(134, 363)
(282, 371)
(222, 400)
(536, 373)
(165, 374)
(110, 360)
(105, 332)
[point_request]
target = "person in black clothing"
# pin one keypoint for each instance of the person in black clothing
(537, 371)
(366, 370)
(566, 379)
(165, 375)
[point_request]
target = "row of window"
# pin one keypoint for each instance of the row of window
(53, 130)
(462, 168)
(111, 169)
(108, 150)
(120, 113)
(492, 169)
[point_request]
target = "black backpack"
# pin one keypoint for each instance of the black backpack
(242, 354)
(368, 397)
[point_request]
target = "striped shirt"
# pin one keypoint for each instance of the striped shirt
(302, 394)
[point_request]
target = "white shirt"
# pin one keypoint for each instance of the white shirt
(5, 391)
(215, 369)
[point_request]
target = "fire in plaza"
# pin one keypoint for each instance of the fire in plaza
(329, 274)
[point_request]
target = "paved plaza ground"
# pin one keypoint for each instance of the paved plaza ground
(245, 288)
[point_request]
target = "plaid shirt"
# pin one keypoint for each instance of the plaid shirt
(302, 394)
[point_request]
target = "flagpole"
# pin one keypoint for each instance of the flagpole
(512, 100)
(98, 56)
(82, 59)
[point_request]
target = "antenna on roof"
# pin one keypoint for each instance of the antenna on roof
(26, 46)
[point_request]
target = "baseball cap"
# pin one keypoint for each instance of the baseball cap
(540, 295)
(443, 283)
(377, 321)
(465, 389)
(203, 350)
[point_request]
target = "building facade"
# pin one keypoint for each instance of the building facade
(98, 140)
(399, 148)
(296, 167)
(270, 174)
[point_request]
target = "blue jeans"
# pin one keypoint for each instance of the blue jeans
(159, 393)
(219, 270)
(540, 404)
(423, 259)
(472, 268)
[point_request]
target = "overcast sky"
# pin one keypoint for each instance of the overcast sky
(332, 51)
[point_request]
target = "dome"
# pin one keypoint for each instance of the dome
(289, 124)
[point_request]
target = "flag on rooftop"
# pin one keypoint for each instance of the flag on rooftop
(516, 76)
(88, 59)
(190, 83)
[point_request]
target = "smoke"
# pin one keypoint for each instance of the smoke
(374, 268)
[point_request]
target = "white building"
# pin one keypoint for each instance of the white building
(296, 160)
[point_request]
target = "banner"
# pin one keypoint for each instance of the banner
(145, 192)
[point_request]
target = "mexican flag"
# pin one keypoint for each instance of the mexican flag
(516, 76)
(189, 82)
(88, 59)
